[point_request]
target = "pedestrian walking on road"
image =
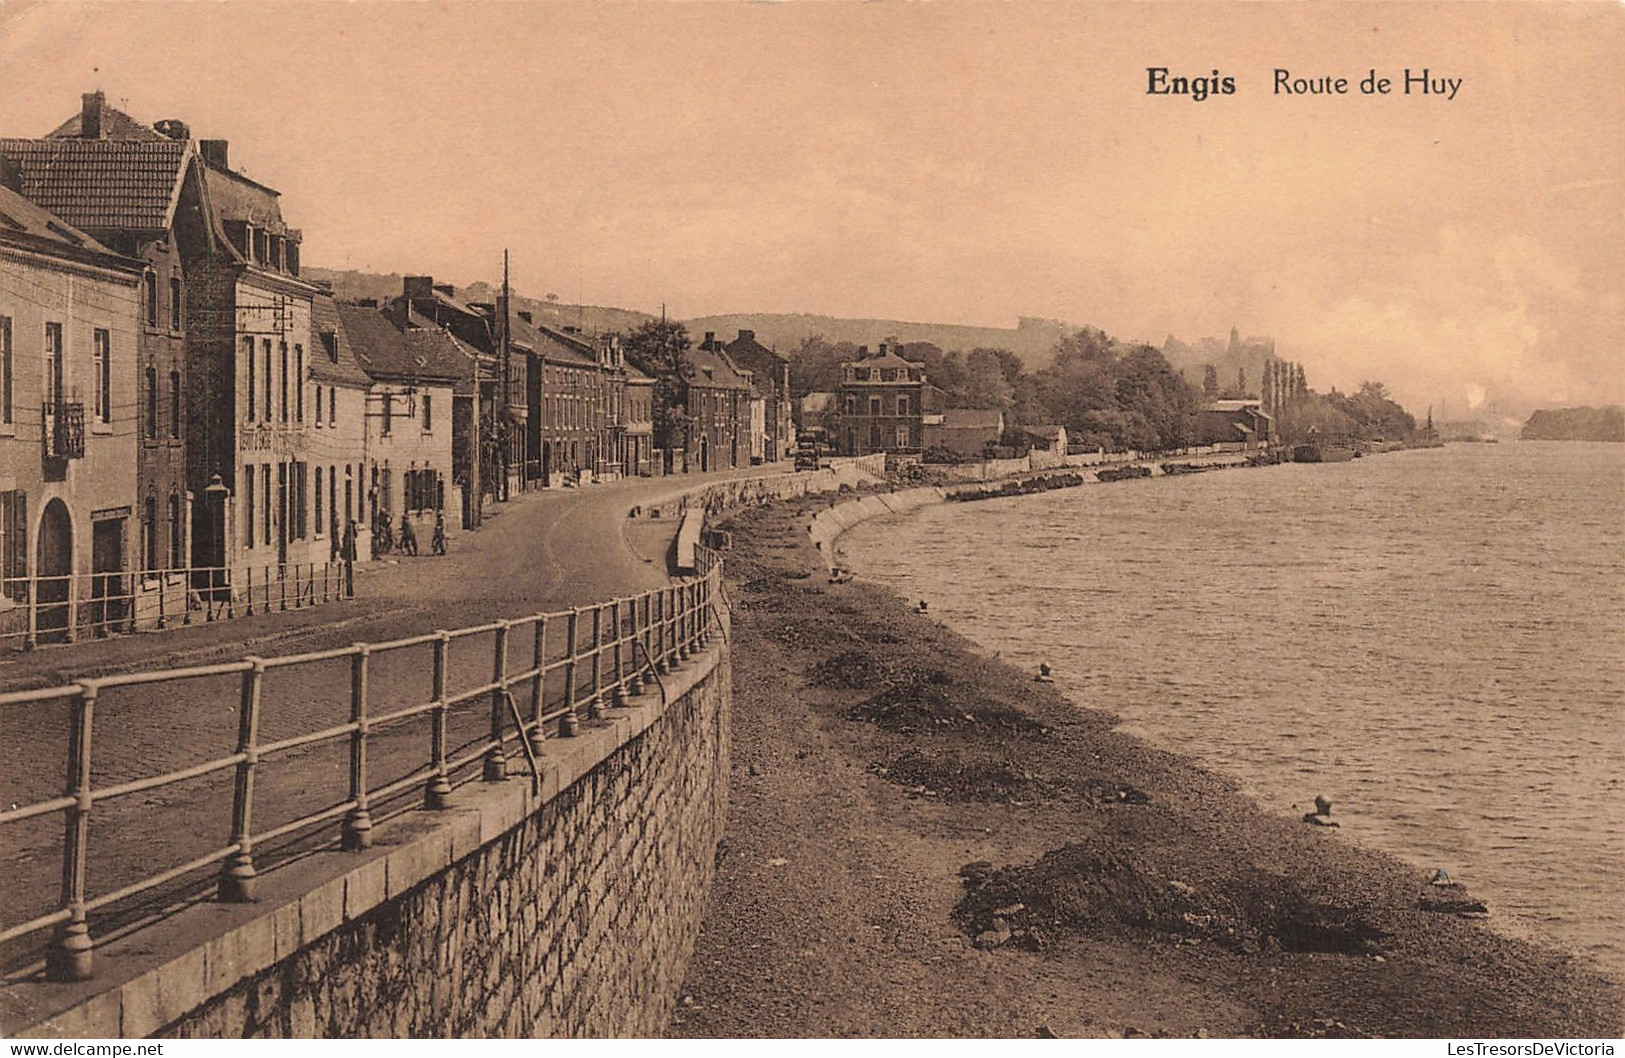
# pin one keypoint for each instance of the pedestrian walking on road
(437, 543)
(409, 539)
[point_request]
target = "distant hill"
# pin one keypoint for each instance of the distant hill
(593, 319)
(1576, 424)
(1032, 339)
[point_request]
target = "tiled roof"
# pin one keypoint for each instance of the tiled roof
(100, 185)
(344, 370)
(382, 349)
(714, 370)
(20, 217)
(972, 418)
(561, 347)
(116, 125)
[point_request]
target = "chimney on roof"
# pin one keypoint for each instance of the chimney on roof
(418, 286)
(214, 153)
(863, 352)
(446, 289)
(747, 336)
(526, 315)
(366, 303)
(174, 129)
(90, 115)
(710, 341)
(11, 174)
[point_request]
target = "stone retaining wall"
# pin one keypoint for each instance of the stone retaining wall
(567, 911)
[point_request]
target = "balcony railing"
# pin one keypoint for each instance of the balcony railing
(63, 429)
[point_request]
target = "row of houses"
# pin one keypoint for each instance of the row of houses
(886, 403)
(180, 403)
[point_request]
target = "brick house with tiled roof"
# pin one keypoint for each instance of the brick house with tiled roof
(772, 383)
(885, 403)
(717, 396)
(416, 371)
(123, 182)
(67, 431)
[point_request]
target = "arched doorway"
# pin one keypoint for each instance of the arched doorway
(53, 571)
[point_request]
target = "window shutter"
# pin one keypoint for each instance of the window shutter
(18, 567)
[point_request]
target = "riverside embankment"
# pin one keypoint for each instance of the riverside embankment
(923, 842)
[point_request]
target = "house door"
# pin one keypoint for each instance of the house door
(874, 438)
(53, 570)
(106, 568)
(705, 453)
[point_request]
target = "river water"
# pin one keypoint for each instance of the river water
(1434, 640)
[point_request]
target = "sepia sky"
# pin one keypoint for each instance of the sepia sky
(946, 162)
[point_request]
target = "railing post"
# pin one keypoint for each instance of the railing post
(250, 595)
(438, 793)
(69, 956)
(616, 621)
(282, 586)
(657, 625)
(569, 723)
(634, 682)
(161, 593)
(538, 689)
(237, 876)
(358, 824)
(496, 764)
(595, 704)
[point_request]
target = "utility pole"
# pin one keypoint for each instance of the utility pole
(505, 365)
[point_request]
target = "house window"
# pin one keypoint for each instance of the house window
(902, 437)
(150, 296)
(248, 356)
(53, 362)
(150, 427)
(100, 355)
(13, 544)
(389, 407)
(299, 383)
(874, 406)
(265, 352)
(428, 413)
(174, 404)
(149, 533)
(5, 375)
(349, 493)
(248, 505)
(265, 494)
(282, 348)
(301, 510)
(176, 539)
(902, 405)
(320, 526)
(332, 404)
(333, 498)
(174, 303)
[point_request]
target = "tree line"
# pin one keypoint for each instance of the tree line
(1107, 393)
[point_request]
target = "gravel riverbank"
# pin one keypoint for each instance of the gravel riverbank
(924, 842)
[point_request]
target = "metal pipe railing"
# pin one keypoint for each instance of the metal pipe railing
(71, 606)
(597, 669)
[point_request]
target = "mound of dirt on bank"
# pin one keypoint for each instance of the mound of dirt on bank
(954, 775)
(931, 700)
(1101, 888)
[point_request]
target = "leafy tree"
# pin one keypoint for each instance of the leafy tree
(1210, 382)
(659, 348)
